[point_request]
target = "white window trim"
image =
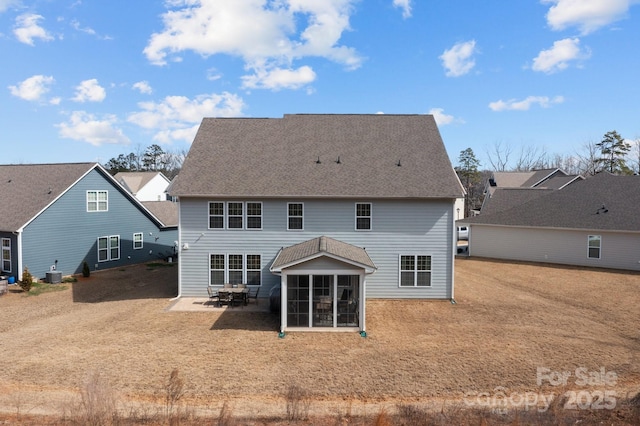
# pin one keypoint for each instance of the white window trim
(97, 191)
(599, 247)
(141, 240)
(415, 271)
(109, 248)
(225, 215)
(209, 215)
(242, 216)
(289, 217)
(245, 209)
(6, 249)
(370, 217)
(226, 267)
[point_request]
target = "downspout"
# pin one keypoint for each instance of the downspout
(179, 256)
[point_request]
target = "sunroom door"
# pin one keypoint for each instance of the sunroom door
(322, 311)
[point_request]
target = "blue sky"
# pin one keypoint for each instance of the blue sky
(88, 80)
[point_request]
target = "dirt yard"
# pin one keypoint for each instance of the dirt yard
(509, 322)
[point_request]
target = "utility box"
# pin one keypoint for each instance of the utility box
(54, 277)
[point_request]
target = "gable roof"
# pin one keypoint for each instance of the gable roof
(375, 156)
(27, 189)
(601, 202)
(322, 246)
(135, 181)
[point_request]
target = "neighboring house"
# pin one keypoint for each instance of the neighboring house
(61, 215)
(538, 179)
(593, 222)
(145, 186)
(333, 208)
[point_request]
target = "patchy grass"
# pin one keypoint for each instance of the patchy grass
(38, 288)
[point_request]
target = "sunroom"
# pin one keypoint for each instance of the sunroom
(323, 283)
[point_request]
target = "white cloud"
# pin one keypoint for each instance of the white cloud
(90, 91)
(441, 118)
(178, 117)
(558, 57)
(278, 78)
(143, 87)
(85, 127)
(88, 30)
(33, 88)
(213, 74)
(6, 4)
(459, 59)
(405, 5)
(587, 15)
(525, 104)
(27, 29)
(263, 34)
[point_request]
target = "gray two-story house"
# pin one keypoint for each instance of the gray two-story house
(58, 216)
(335, 209)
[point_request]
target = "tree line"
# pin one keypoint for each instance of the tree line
(151, 159)
(612, 154)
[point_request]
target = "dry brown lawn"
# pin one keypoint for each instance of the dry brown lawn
(509, 320)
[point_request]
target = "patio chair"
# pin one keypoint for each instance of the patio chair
(238, 297)
(213, 294)
(228, 285)
(224, 297)
(253, 293)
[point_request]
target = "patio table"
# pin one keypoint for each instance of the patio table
(231, 292)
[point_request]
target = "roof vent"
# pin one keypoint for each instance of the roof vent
(338, 160)
(318, 160)
(492, 182)
(399, 164)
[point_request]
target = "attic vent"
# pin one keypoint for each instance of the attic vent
(492, 182)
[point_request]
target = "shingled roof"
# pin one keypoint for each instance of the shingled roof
(601, 202)
(135, 181)
(26, 189)
(316, 247)
(375, 156)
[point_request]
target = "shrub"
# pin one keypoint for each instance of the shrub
(85, 270)
(27, 280)
(298, 402)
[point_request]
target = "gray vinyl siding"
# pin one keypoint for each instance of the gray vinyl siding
(66, 232)
(398, 227)
(618, 250)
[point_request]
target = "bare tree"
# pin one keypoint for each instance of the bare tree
(588, 164)
(635, 156)
(498, 156)
(531, 158)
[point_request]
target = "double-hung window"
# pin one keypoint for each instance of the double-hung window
(594, 245)
(138, 241)
(295, 216)
(97, 201)
(6, 254)
(415, 271)
(235, 269)
(363, 216)
(108, 248)
(216, 215)
(254, 215)
(235, 215)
